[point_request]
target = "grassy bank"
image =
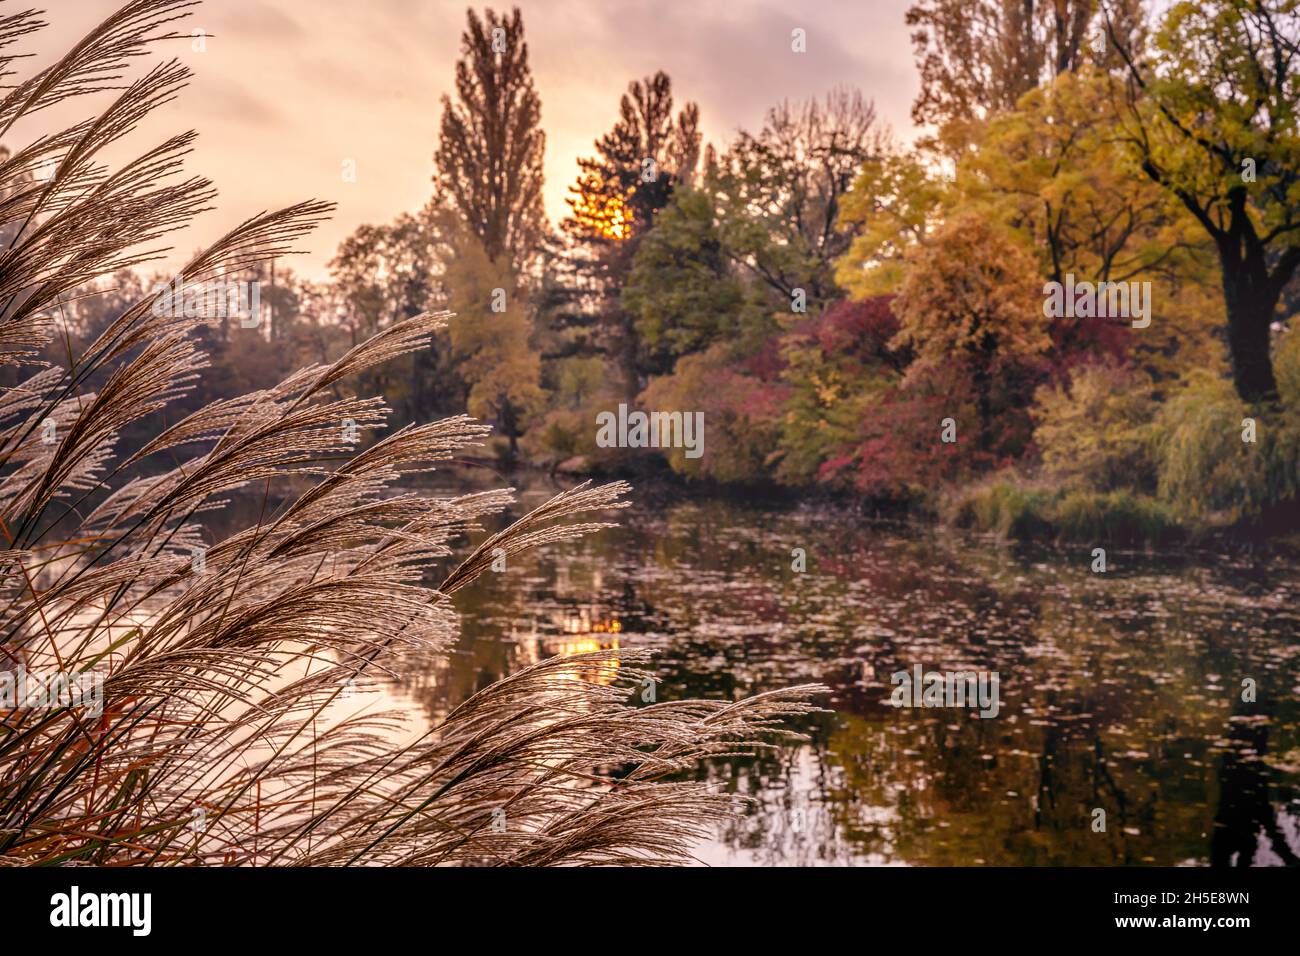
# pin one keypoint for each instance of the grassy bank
(1025, 512)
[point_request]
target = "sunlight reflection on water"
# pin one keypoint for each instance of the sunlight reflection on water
(1119, 691)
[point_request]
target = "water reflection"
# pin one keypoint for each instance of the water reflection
(581, 629)
(1119, 691)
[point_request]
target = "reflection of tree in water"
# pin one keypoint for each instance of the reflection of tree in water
(1110, 693)
(560, 604)
(795, 818)
(1246, 823)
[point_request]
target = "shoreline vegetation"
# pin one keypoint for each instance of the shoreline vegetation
(1056, 315)
(1004, 507)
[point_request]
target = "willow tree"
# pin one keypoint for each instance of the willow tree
(216, 727)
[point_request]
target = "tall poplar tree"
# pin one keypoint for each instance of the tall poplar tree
(489, 156)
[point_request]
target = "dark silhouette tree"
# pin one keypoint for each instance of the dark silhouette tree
(637, 165)
(781, 191)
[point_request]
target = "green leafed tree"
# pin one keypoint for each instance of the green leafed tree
(1214, 118)
(781, 190)
(684, 288)
(638, 164)
(762, 230)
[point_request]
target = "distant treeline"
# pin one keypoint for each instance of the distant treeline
(852, 314)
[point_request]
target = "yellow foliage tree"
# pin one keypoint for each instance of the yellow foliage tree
(1057, 171)
(971, 291)
(490, 338)
(970, 296)
(894, 204)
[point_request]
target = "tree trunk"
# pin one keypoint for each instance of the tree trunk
(628, 352)
(982, 379)
(1250, 305)
(510, 426)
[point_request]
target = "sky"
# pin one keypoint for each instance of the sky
(286, 90)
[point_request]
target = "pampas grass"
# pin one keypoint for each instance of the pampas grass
(221, 739)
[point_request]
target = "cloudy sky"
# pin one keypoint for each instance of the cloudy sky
(286, 90)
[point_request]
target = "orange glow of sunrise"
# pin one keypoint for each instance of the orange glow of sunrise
(605, 216)
(617, 222)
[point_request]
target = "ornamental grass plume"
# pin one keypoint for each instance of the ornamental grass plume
(215, 737)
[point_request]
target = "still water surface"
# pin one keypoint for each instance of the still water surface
(1120, 691)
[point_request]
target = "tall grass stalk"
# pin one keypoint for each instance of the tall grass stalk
(221, 739)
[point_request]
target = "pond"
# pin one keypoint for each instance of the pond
(1125, 691)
